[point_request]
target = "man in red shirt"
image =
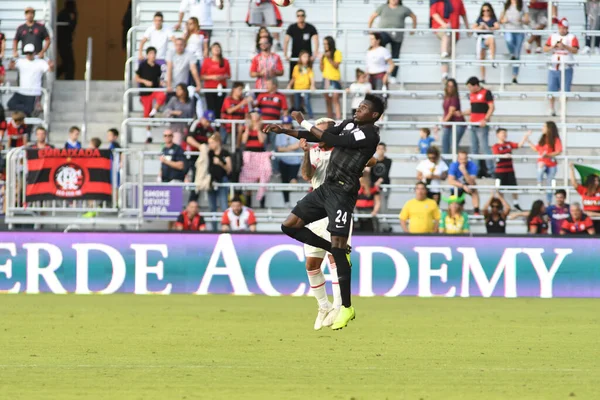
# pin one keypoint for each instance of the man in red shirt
(235, 107)
(40, 139)
(190, 219)
(505, 170)
(446, 15)
(482, 109)
(272, 104)
(266, 64)
(538, 16)
(578, 223)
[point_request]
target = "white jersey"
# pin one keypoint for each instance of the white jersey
(319, 159)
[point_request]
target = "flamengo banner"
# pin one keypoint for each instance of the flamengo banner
(58, 174)
(272, 264)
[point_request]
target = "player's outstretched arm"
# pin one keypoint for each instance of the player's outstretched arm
(280, 129)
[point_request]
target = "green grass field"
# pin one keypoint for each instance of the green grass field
(222, 347)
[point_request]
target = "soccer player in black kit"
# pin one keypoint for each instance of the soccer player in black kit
(354, 141)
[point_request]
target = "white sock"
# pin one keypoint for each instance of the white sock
(335, 286)
(316, 279)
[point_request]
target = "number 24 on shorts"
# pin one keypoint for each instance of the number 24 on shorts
(341, 218)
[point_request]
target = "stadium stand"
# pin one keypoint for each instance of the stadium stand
(413, 103)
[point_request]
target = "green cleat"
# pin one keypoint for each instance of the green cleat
(344, 316)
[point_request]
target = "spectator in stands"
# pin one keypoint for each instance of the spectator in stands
(548, 147)
(182, 107)
(272, 104)
(73, 141)
(235, 107)
(452, 113)
(148, 77)
(559, 211)
(31, 71)
(420, 215)
(505, 170)
(304, 37)
(495, 212)
(201, 10)
(514, 17)
(538, 14)
(215, 72)
(2, 51)
(368, 202)
(180, 66)
(266, 64)
(425, 140)
(190, 219)
(391, 16)
(590, 194)
(113, 139)
(537, 220)
(379, 62)
(454, 221)
(158, 37)
(288, 166)
(445, 14)
(330, 69)
(265, 13)
(256, 161)
(238, 218)
(432, 172)
(562, 45)
(95, 143)
(592, 19)
(359, 89)
(17, 131)
(303, 79)
(482, 109)
(172, 160)
(197, 137)
(380, 172)
(462, 174)
(220, 166)
(196, 42)
(31, 32)
(486, 24)
(263, 33)
(41, 136)
(67, 22)
(578, 223)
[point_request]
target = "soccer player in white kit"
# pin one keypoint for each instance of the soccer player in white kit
(314, 167)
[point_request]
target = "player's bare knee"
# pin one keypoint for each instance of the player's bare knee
(313, 263)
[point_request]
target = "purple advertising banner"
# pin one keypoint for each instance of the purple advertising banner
(162, 201)
(273, 264)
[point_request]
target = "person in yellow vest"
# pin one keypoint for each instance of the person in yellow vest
(420, 215)
(455, 220)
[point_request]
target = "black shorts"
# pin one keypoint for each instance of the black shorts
(331, 202)
(506, 178)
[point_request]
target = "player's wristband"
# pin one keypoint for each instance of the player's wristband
(306, 125)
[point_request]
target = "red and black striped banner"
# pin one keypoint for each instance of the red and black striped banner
(59, 174)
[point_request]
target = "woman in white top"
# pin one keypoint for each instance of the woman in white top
(432, 172)
(379, 62)
(196, 43)
(515, 17)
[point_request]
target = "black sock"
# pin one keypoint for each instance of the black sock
(344, 275)
(307, 236)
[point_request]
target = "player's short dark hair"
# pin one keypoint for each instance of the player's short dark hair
(74, 128)
(473, 81)
(500, 130)
(237, 84)
(377, 103)
(159, 14)
(561, 191)
(427, 131)
(300, 10)
(382, 144)
(149, 49)
(114, 131)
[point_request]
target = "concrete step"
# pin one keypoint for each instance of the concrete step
(114, 97)
(77, 86)
(93, 116)
(71, 106)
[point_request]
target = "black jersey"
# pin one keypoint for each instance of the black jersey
(353, 146)
(495, 226)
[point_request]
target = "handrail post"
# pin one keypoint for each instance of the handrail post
(344, 104)
(88, 78)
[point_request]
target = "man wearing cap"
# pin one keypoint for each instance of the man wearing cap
(31, 71)
(31, 32)
(288, 165)
(562, 45)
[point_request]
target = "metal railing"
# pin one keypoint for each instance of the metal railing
(88, 80)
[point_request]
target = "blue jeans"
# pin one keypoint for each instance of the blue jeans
(298, 103)
(554, 78)
(447, 137)
(217, 199)
(550, 173)
(514, 42)
(479, 138)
